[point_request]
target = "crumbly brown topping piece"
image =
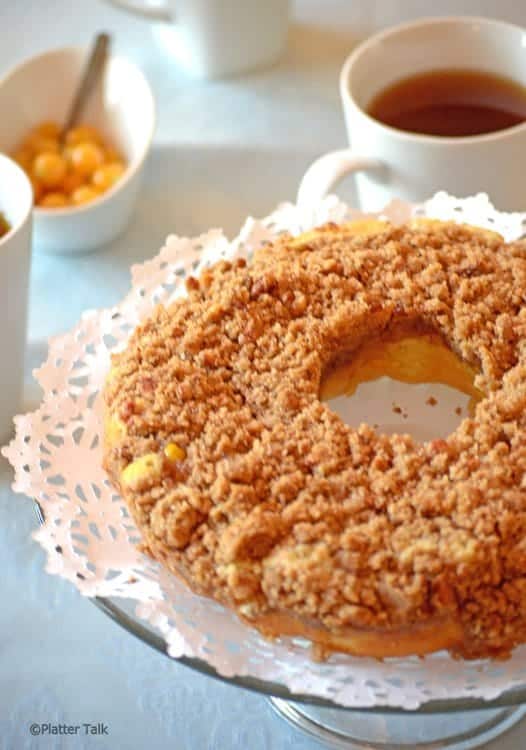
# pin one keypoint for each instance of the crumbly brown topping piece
(243, 482)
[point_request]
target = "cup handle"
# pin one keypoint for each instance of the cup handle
(328, 170)
(141, 9)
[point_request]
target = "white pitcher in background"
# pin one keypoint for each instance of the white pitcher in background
(216, 38)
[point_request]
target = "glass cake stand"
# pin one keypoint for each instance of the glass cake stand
(457, 724)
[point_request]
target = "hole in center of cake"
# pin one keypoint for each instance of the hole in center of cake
(402, 382)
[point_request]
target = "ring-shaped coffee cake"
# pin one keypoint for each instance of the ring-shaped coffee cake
(245, 484)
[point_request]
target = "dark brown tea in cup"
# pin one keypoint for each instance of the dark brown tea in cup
(4, 225)
(451, 103)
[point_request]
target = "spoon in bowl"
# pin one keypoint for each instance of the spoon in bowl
(93, 70)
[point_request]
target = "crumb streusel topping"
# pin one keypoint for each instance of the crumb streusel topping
(242, 481)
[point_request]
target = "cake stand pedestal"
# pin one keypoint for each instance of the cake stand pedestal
(355, 730)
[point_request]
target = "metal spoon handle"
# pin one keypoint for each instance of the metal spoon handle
(92, 71)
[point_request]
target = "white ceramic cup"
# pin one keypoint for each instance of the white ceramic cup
(390, 163)
(16, 201)
(215, 38)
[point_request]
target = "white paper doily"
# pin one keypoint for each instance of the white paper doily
(91, 541)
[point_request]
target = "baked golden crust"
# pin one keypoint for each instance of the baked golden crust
(245, 484)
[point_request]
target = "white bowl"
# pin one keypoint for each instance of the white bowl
(121, 107)
(16, 201)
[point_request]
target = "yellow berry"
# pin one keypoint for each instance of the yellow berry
(67, 152)
(40, 144)
(49, 169)
(71, 182)
(48, 129)
(143, 471)
(84, 194)
(174, 452)
(54, 200)
(82, 134)
(107, 175)
(114, 429)
(86, 158)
